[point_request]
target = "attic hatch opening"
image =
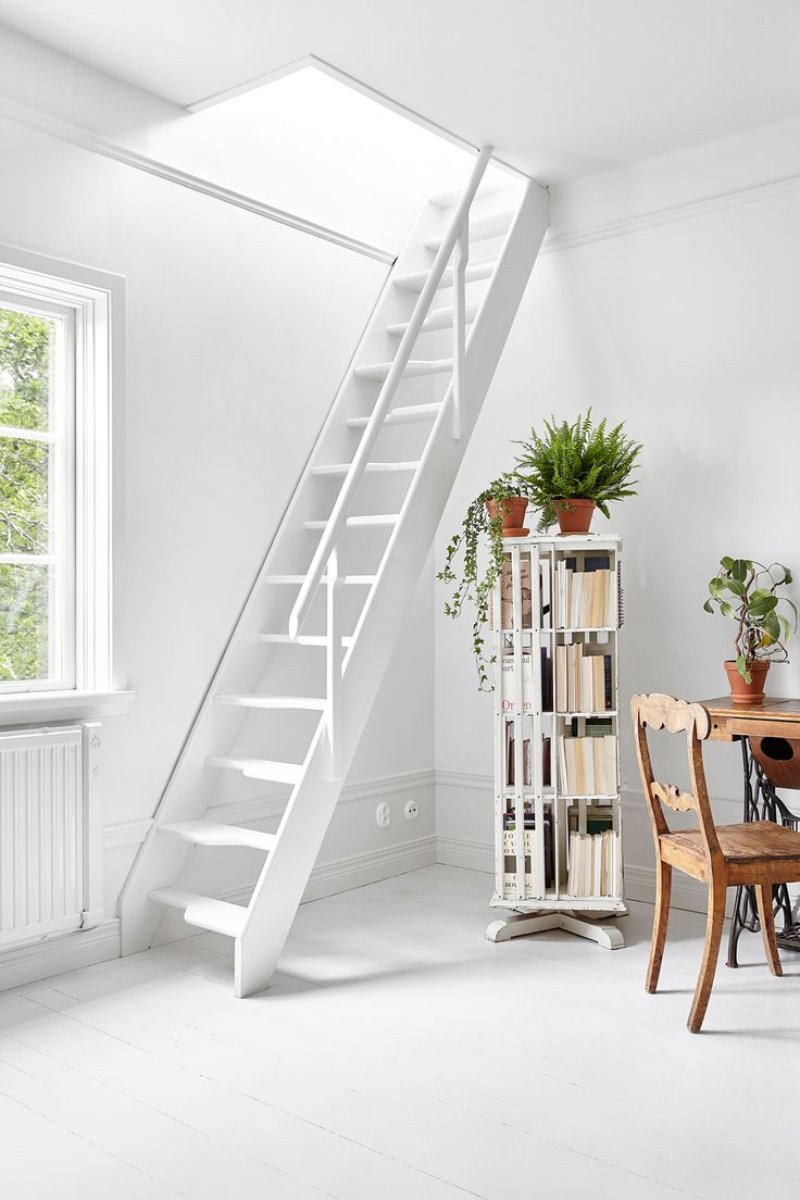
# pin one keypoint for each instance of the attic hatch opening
(312, 143)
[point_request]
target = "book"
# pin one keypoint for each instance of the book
(592, 863)
(509, 692)
(511, 877)
(507, 594)
(510, 754)
(589, 761)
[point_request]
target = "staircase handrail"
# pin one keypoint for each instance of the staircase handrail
(336, 521)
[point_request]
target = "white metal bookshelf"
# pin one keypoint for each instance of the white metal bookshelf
(558, 822)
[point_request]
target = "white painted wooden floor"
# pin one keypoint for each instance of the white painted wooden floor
(401, 1057)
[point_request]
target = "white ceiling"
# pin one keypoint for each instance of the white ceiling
(560, 87)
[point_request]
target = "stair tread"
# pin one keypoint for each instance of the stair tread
(304, 639)
(253, 700)
(398, 416)
(439, 318)
(415, 280)
(493, 225)
(373, 468)
(219, 916)
(215, 833)
(260, 768)
(350, 580)
(365, 522)
(415, 367)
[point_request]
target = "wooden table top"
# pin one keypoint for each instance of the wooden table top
(774, 717)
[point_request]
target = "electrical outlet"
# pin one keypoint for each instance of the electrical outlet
(383, 815)
(411, 810)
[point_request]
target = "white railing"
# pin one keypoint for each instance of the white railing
(325, 559)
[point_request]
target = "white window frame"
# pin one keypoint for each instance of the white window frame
(92, 303)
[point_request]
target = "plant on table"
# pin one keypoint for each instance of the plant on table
(570, 468)
(480, 530)
(746, 591)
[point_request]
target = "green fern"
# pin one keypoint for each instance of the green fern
(577, 461)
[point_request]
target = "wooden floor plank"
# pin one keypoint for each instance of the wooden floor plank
(400, 1054)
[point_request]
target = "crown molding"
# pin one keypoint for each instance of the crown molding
(683, 211)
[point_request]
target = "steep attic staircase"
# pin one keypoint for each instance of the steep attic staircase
(294, 689)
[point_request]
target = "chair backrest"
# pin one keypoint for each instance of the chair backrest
(676, 716)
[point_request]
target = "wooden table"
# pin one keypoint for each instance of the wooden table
(770, 737)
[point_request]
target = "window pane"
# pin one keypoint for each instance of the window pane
(24, 622)
(24, 496)
(26, 352)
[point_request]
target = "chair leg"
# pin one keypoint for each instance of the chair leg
(714, 923)
(766, 918)
(660, 921)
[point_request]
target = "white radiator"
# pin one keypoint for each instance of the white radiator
(50, 832)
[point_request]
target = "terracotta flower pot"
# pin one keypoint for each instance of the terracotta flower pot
(512, 514)
(747, 693)
(574, 516)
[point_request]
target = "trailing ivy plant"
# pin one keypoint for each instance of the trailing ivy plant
(745, 591)
(476, 579)
(577, 461)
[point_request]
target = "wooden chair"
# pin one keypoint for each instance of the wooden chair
(759, 853)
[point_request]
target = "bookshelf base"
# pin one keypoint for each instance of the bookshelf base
(521, 924)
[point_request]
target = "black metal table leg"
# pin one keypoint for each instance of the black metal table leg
(762, 803)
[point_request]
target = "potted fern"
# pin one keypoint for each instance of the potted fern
(497, 512)
(571, 469)
(746, 592)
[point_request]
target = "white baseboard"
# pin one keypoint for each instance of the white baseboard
(463, 852)
(55, 955)
(327, 879)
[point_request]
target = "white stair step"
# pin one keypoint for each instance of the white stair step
(401, 416)
(480, 229)
(414, 368)
(249, 700)
(305, 639)
(415, 281)
(375, 520)
(350, 580)
(373, 468)
(218, 916)
(213, 833)
(440, 318)
(260, 768)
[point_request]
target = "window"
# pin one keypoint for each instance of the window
(37, 485)
(58, 628)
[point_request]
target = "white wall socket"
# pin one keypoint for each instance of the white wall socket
(383, 815)
(411, 810)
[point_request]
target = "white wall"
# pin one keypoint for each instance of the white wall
(687, 330)
(234, 353)
(305, 143)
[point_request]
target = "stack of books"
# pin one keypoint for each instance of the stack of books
(527, 764)
(511, 880)
(588, 764)
(508, 681)
(593, 863)
(586, 597)
(583, 678)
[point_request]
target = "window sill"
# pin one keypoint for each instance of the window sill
(19, 707)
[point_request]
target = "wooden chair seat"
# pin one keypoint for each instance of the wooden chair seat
(759, 847)
(758, 854)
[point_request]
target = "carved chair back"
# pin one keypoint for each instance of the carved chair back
(675, 716)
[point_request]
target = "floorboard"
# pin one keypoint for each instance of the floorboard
(400, 1054)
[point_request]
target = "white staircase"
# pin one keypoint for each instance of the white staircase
(337, 581)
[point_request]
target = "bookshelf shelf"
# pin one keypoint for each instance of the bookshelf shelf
(558, 828)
